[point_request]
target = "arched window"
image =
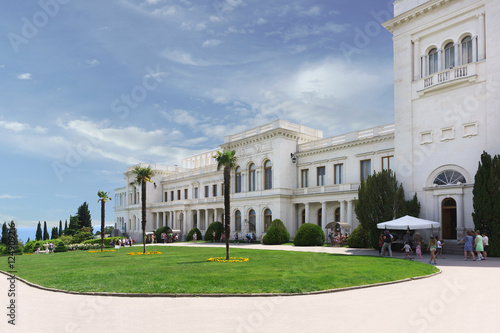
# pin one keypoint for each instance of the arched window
(337, 215)
(251, 178)
(251, 221)
(268, 175)
(433, 61)
(237, 180)
(268, 217)
(450, 177)
(320, 216)
(466, 50)
(449, 56)
(237, 221)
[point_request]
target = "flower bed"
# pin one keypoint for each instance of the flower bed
(231, 259)
(97, 251)
(140, 253)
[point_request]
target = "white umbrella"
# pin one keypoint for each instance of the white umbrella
(408, 222)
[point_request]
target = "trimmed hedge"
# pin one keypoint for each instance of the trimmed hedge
(217, 227)
(61, 248)
(107, 241)
(359, 237)
(309, 235)
(276, 234)
(31, 246)
(189, 236)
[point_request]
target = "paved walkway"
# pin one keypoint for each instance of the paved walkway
(463, 298)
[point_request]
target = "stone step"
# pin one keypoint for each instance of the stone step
(451, 247)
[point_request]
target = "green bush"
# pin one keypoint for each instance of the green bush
(189, 236)
(61, 248)
(31, 246)
(107, 241)
(67, 240)
(82, 236)
(359, 237)
(309, 235)
(217, 227)
(161, 230)
(276, 234)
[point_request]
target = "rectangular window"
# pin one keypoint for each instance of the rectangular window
(206, 191)
(338, 173)
(321, 176)
(185, 193)
(171, 195)
(196, 193)
(366, 167)
(166, 196)
(222, 188)
(214, 190)
(387, 162)
(304, 178)
(178, 194)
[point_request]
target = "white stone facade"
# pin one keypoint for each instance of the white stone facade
(447, 104)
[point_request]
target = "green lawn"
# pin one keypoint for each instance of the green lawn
(182, 270)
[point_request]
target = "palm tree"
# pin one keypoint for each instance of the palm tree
(142, 176)
(103, 198)
(227, 160)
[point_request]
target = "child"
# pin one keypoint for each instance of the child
(440, 244)
(407, 249)
(418, 251)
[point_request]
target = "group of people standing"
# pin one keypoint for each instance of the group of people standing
(475, 242)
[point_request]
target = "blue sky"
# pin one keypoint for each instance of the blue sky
(88, 88)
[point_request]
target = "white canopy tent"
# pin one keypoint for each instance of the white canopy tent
(408, 222)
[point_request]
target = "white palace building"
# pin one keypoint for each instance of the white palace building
(447, 112)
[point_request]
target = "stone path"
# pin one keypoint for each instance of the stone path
(463, 298)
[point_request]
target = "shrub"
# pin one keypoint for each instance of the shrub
(309, 235)
(189, 236)
(359, 237)
(66, 240)
(214, 226)
(276, 234)
(161, 230)
(61, 248)
(82, 236)
(107, 241)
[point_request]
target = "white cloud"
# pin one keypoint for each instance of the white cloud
(166, 11)
(179, 57)
(304, 31)
(24, 76)
(8, 196)
(211, 43)
(181, 117)
(20, 127)
(2, 66)
(92, 62)
(313, 11)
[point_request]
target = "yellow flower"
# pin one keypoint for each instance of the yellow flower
(231, 259)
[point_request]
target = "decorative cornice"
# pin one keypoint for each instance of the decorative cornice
(414, 13)
(278, 132)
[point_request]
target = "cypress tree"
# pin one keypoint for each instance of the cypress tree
(380, 199)
(45, 232)
(83, 215)
(38, 232)
(65, 232)
(5, 234)
(54, 234)
(60, 233)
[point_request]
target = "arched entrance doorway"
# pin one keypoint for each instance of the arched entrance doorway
(449, 218)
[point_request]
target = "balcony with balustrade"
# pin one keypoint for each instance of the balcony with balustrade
(448, 77)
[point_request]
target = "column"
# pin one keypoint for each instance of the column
(164, 217)
(342, 211)
(424, 66)
(172, 219)
(440, 60)
(349, 213)
(474, 49)
(456, 53)
(323, 215)
(307, 213)
(460, 216)
(481, 38)
(416, 59)
(207, 222)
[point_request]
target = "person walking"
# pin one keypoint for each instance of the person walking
(486, 245)
(432, 247)
(478, 246)
(387, 243)
(467, 245)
